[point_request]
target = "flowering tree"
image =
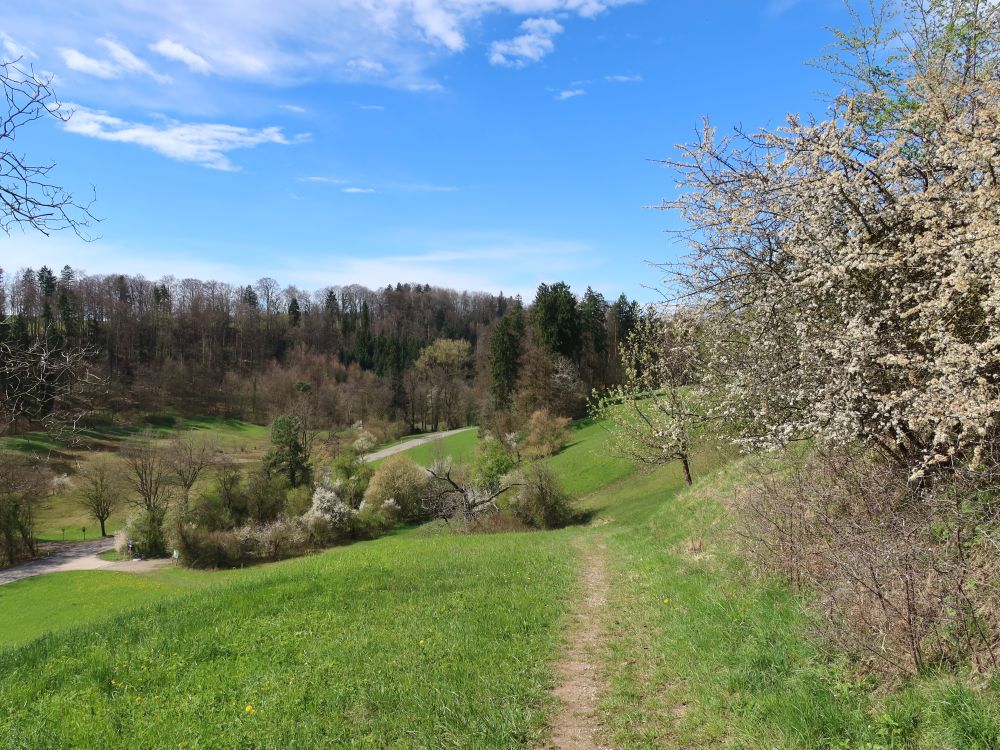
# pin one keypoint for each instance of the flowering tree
(653, 414)
(851, 266)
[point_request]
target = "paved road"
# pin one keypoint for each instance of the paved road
(70, 556)
(405, 446)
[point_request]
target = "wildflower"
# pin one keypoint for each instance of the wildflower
(666, 600)
(249, 709)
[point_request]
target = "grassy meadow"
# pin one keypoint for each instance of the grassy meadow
(435, 640)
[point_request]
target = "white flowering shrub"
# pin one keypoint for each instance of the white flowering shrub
(329, 518)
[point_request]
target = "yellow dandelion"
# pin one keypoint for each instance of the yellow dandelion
(421, 643)
(249, 709)
(666, 600)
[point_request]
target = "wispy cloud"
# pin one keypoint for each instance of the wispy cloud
(178, 52)
(623, 79)
(569, 94)
(294, 108)
(322, 180)
(119, 61)
(358, 190)
(528, 47)
(371, 107)
(16, 50)
(206, 144)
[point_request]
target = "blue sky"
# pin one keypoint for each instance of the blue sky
(477, 144)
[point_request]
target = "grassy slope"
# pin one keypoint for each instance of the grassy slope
(702, 653)
(402, 642)
(323, 649)
(36, 606)
(63, 512)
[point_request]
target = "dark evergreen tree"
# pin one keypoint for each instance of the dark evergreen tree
(556, 319)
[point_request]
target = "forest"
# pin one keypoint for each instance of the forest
(410, 354)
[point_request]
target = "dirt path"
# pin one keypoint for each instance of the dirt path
(576, 725)
(405, 446)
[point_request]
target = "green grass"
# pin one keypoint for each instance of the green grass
(47, 604)
(61, 517)
(702, 653)
(460, 447)
(699, 651)
(402, 642)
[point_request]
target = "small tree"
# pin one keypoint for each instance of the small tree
(22, 485)
(100, 491)
(288, 453)
(399, 482)
(187, 458)
(147, 475)
(653, 415)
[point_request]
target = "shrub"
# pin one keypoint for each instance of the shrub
(353, 473)
(905, 574)
(297, 501)
(146, 531)
(200, 548)
(329, 519)
(397, 487)
(545, 435)
(538, 500)
(492, 462)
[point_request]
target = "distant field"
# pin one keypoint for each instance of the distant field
(61, 517)
(35, 606)
(460, 447)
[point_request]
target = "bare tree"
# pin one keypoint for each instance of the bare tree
(148, 475)
(101, 490)
(28, 197)
(449, 495)
(44, 383)
(186, 459)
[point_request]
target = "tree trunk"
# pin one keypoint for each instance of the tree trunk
(687, 467)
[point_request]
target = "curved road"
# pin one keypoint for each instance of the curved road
(405, 446)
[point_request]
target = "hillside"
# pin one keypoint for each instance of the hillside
(437, 640)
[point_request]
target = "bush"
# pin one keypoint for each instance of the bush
(905, 573)
(545, 434)
(352, 473)
(538, 500)
(396, 488)
(297, 501)
(147, 533)
(200, 548)
(492, 462)
(330, 519)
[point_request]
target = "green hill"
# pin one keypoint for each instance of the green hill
(427, 640)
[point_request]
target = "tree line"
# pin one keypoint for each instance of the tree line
(410, 353)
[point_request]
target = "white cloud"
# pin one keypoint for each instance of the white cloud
(357, 190)
(177, 51)
(323, 180)
(288, 43)
(569, 94)
(366, 67)
(529, 47)
(623, 79)
(371, 107)
(206, 144)
(121, 61)
(16, 50)
(294, 108)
